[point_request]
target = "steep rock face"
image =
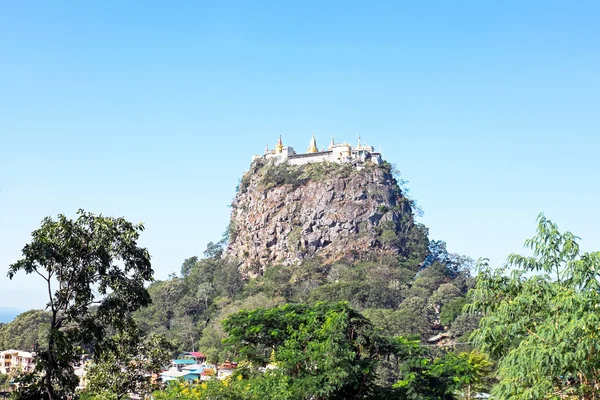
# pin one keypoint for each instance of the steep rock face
(283, 214)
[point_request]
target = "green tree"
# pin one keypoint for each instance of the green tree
(540, 319)
(323, 351)
(228, 280)
(451, 376)
(463, 325)
(415, 317)
(204, 293)
(188, 265)
(4, 379)
(444, 294)
(213, 334)
(214, 250)
(451, 310)
(127, 365)
(95, 273)
(389, 238)
(166, 295)
(185, 333)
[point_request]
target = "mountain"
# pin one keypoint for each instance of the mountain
(283, 214)
(8, 314)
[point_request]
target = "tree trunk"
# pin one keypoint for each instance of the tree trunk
(49, 388)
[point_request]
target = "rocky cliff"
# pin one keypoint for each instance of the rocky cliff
(283, 214)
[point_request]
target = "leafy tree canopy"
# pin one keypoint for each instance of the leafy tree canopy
(126, 365)
(324, 351)
(540, 319)
(95, 273)
(329, 351)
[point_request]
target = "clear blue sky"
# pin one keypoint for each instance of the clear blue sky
(152, 110)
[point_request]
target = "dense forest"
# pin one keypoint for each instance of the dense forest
(410, 300)
(419, 300)
(398, 295)
(417, 292)
(407, 286)
(420, 323)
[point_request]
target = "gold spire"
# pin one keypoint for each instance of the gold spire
(358, 147)
(313, 145)
(279, 146)
(332, 143)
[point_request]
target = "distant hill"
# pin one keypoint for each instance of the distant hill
(8, 314)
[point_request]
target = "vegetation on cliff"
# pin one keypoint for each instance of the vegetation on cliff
(284, 214)
(385, 321)
(403, 299)
(400, 284)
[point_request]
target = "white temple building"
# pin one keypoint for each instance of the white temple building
(336, 152)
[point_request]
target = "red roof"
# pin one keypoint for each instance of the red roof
(195, 354)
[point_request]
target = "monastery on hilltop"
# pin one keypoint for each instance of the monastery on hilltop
(336, 152)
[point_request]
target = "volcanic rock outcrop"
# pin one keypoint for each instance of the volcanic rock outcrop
(283, 214)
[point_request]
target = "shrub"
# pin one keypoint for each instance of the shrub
(389, 238)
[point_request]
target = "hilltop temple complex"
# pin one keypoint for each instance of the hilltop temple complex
(336, 152)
